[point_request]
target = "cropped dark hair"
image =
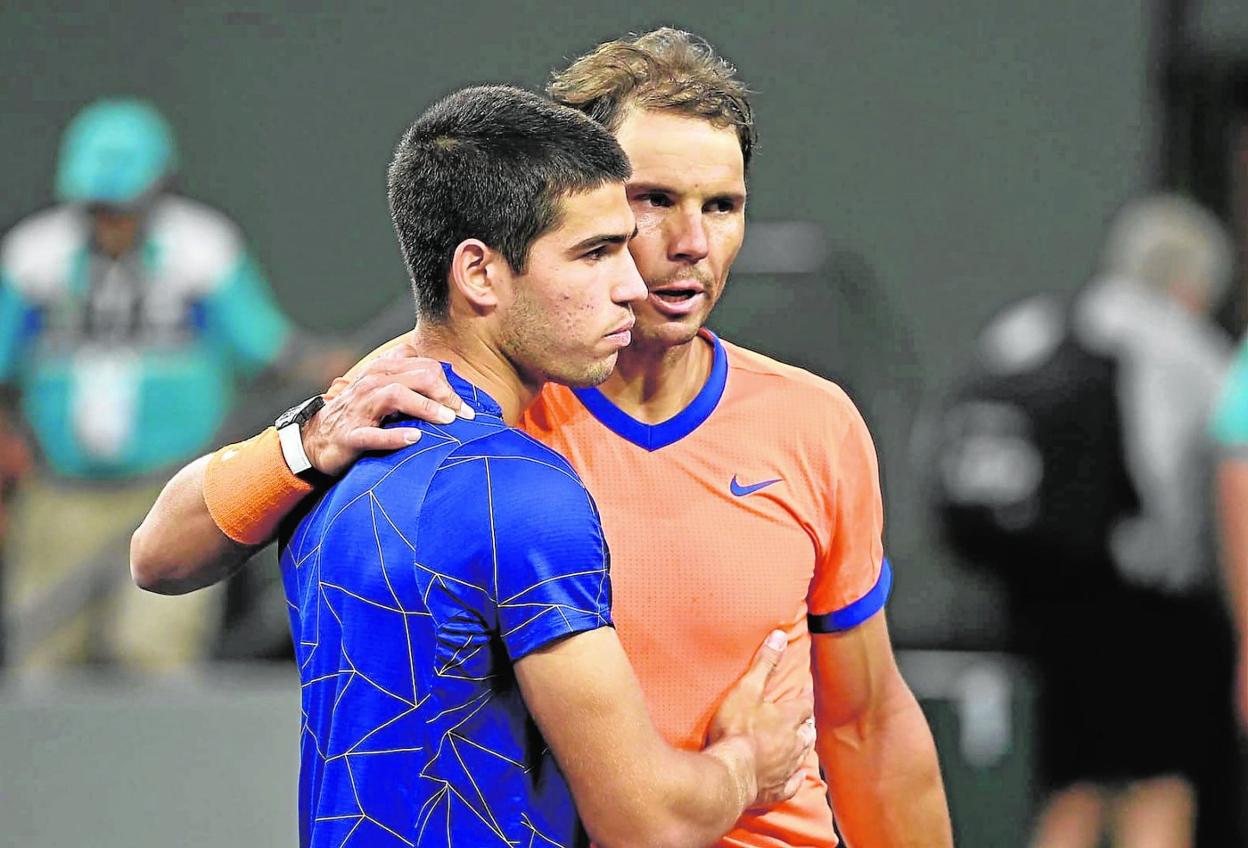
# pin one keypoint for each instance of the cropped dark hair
(668, 70)
(491, 163)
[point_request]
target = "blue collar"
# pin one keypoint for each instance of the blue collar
(476, 398)
(651, 437)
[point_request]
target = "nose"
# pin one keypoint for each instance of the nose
(687, 241)
(629, 287)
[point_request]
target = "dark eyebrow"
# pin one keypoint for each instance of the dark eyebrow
(644, 187)
(659, 188)
(601, 239)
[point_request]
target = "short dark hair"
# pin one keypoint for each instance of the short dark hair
(668, 70)
(490, 163)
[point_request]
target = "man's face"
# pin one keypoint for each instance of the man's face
(567, 317)
(688, 195)
(114, 228)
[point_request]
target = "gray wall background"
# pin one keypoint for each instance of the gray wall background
(954, 156)
(951, 157)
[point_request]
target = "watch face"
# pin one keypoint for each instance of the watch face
(288, 417)
(300, 413)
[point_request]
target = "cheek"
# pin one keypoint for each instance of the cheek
(648, 253)
(588, 302)
(569, 312)
(728, 236)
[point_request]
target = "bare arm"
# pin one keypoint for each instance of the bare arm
(1232, 495)
(630, 787)
(874, 744)
(180, 547)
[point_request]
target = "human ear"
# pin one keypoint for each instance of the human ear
(474, 275)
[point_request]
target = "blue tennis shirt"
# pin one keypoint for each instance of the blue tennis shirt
(414, 584)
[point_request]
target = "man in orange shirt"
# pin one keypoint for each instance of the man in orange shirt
(737, 493)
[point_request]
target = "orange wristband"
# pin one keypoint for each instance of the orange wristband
(249, 489)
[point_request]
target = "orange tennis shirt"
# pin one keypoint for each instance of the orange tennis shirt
(756, 506)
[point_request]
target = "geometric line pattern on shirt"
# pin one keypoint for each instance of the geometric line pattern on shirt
(386, 539)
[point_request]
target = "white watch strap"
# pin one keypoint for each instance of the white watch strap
(291, 441)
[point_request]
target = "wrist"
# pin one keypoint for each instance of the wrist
(248, 489)
(293, 441)
(736, 754)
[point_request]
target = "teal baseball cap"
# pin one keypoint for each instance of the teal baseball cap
(114, 151)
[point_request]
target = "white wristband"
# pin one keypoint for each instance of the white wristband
(291, 440)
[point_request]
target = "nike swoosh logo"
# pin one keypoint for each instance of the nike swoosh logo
(741, 491)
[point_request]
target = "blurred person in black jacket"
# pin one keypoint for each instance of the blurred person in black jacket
(1074, 464)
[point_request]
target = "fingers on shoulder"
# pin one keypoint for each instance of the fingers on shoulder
(381, 439)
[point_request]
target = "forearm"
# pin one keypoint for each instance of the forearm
(883, 774)
(694, 799)
(631, 788)
(646, 793)
(179, 548)
(213, 515)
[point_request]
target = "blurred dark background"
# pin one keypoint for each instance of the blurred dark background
(921, 165)
(952, 157)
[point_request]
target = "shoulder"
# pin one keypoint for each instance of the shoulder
(194, 239)
(35, 255)
(805, 396)
(520, 500)
(415, 484)
(520, 466)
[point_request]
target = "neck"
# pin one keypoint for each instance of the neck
(653, 384)
(478, 363)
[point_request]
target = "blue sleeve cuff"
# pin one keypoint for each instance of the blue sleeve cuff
(856, 613)
(550, 625)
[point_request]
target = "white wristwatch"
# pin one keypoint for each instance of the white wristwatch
(290, 436)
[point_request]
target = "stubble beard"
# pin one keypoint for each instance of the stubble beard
(666, 336)
(533, 351)
(659, 341)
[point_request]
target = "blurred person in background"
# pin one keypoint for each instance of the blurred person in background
(706, 460)
(1074, 463)
(127, 313)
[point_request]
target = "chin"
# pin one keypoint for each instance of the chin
(592, 374)
(667, 333)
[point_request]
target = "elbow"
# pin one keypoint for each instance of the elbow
(144, 569)
(668, 803)
(148, 569)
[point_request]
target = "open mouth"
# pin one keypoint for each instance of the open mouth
(678, 301)
(676, 295)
